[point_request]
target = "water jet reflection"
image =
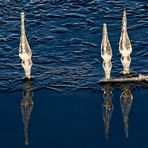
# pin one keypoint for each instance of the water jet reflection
(107, 108)
(26, 108)
(126, 99)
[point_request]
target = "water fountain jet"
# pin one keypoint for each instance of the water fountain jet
(25, 52)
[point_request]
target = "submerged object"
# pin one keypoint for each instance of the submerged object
(25, 52)
(106, 53)
(126, 100)
(125, 47)
(26, 107)
(107, 108)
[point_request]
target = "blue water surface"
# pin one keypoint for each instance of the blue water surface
(67, 105)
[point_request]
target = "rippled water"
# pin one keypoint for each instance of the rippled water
(65, 37)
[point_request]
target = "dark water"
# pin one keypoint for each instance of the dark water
(72, 120)
(65, 37)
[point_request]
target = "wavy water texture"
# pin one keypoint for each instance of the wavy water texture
(65, 37)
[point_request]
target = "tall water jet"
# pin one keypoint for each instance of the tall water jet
(126, 99)
(125, 47)
(107, 108)
(25, 52)
(106, 53)
(26, 107)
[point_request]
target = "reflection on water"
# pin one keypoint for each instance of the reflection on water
(107, 108)
(126, 99)
(26, 107)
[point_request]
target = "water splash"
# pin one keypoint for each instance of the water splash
(125, 47)
(25, 52)
(106, 53)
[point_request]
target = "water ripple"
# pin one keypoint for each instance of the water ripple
(65, 36)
